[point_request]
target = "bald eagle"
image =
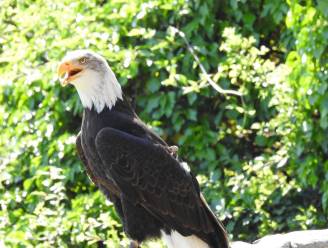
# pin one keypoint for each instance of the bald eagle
(152, 191)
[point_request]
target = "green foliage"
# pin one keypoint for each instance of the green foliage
(261, 158)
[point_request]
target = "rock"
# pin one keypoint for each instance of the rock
(299, 239)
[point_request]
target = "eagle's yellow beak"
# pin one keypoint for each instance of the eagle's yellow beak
(67, 71)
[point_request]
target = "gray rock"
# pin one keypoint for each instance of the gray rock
(299, 239)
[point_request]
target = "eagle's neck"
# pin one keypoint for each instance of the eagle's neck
(99, 90)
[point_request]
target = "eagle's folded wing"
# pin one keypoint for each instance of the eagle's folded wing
(148, 175)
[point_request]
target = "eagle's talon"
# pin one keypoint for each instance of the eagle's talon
(173, 150)
(134, 244)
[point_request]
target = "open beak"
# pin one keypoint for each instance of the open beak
(68, 72)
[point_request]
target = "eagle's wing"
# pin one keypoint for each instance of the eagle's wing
(107, 187)
(148, 175)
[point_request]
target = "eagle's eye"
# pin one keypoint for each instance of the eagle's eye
(83, 60)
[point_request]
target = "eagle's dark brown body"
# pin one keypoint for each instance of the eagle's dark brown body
(136, 171)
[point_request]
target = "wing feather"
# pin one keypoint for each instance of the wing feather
(149, 175)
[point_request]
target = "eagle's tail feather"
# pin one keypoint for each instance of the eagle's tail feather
(177, 240)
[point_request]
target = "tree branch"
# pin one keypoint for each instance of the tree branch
(202, 68)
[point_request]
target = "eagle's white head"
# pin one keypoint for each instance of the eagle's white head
(92, 77)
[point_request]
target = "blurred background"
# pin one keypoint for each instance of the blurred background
(261, 159)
